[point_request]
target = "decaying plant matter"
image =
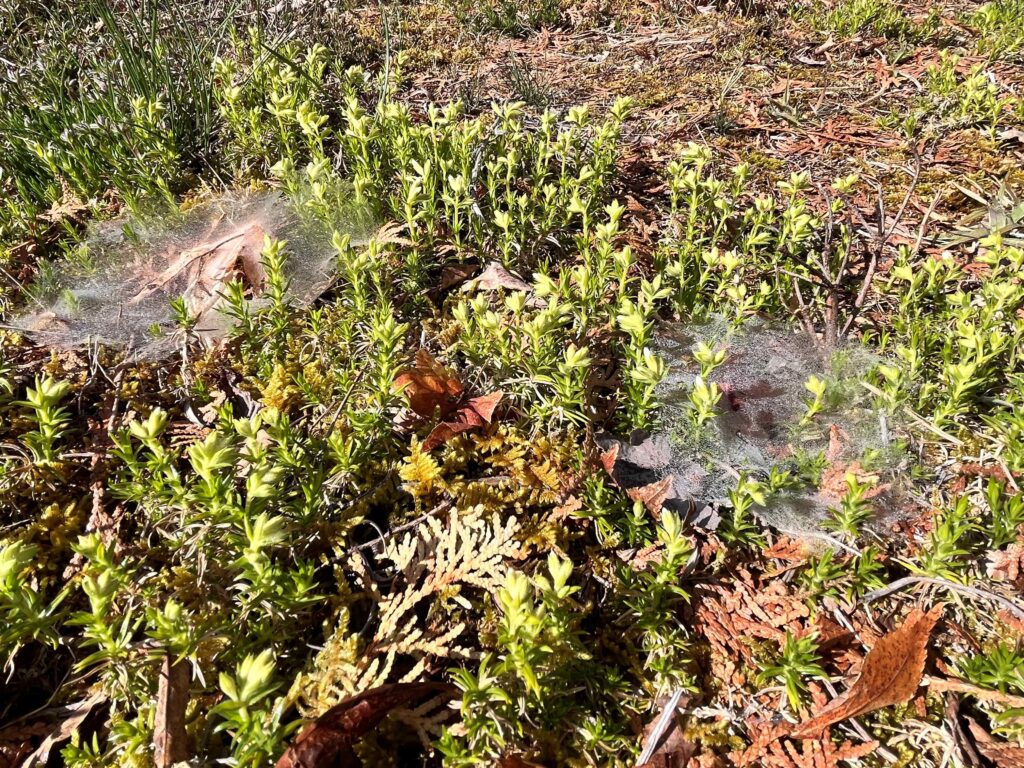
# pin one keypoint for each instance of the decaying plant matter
(362, 401)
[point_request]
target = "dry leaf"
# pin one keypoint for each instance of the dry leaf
(608, 459)
(207, 268)
(571, 506)
(723, 613)
(454, 274)
(653, 496)
(1011, 134)
(476, 412)
(941, 684)
(1011, 622)
(836, 438)
(67, 209)
(1006, 564)
(789, 550)
(429, 386)
(672, 749)
(389, 234)
(639, 559)
(330, 740)
(833, 481)
(973, 469)
(77, 714)
(820, 753)
(1002, 753)
(890, 675)
(771, 749)
(965, 745)
(496, 277)
(17, 741)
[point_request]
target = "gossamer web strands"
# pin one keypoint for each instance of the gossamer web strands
(118, 292)
(757, 425)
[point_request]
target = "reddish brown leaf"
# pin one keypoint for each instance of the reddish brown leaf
(429, 386)
(484, 405)
(890, 675)
(639, 559)
(454, 274)
(571, 506)
(788, 549)
(1006, 564)
(330, 741)
(770, 748)
(1002, 753)
(445, 431)
(972, 469)
(474, 413)
(653, 496)
(608, 459)
(833, 480)
(836, 438)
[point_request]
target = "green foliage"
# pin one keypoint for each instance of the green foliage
(739, 526)
(1006, 514)
(854, 509)
(272, 103)
(817, 388)
(957, 98)
(50, 419)
(237, 521)
(525, 84)
(950, 544)
(847, 579)
(798, 659)
(63, 126)
(1000, 27)
(877, 18)
(956, 342)
(253, 723)
(973, 99)
(511, 17)
(1001, 669)
(730, 253)
(249, 481)
(27, 615)
(650, 598)
(536, 664)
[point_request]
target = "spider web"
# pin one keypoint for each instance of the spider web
(117, 289)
